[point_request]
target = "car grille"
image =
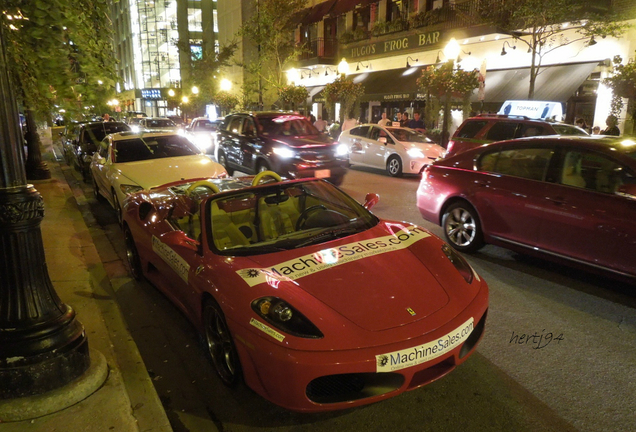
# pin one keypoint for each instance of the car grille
(316, 156)
(354, 386)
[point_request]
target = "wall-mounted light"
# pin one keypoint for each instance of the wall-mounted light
(327, 69)
(363, 65)
(408, 65)
(343, 67)
(503, 48)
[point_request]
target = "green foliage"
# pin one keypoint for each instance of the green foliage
(270, 32)
(623, 85)
(447, 82)
(293, 95)
(344, 91)
(57, 52)
(226, 101)
(541, 25)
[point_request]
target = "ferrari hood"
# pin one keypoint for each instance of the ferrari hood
(377, 285)
(155, 172)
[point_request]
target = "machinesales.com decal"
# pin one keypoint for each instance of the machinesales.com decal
(313, 263)
(405, 358)
(172, 258)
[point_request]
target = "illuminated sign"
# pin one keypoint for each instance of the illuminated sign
(151, 93)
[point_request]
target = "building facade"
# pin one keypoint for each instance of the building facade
(155, 42)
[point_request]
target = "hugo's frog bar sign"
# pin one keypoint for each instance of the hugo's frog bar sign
(394, 45)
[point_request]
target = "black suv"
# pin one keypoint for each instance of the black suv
(286, 143)
(88, 139)
(487, 128)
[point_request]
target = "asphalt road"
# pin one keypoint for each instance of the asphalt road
(577, 374)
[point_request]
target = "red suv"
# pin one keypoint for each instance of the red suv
(486, 128)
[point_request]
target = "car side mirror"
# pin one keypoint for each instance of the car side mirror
(370, 200)
(627, 190)
(177, 239)
(382, 140)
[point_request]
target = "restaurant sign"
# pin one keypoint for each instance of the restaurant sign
(394, 45)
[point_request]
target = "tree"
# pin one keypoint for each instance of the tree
(225, 101)
(270, 31)
(344, 91)
(58, 53)
(623, 85)
(205, 72)
(547, 25)
(447, 84)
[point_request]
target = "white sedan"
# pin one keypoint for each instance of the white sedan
(398, 150)
(129, 162)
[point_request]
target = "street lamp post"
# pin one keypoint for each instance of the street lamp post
(42, 345)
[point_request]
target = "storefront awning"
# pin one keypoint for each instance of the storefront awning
(389, 85)
(554, 83)
(317, 12)
(343, 6)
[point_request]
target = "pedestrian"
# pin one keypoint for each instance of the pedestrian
(106, 117)
(312, 119)
(349, 123)
(398, 118)
(596, 130)
(417, 123)
(405, 119)
(612, 128)
(580, 122)
(320, 124)
(384, 121)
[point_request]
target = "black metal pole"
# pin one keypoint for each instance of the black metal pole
(42, 345)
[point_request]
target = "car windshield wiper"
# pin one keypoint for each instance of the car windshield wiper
(329, 235)
(252, 250)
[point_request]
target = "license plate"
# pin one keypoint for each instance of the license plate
(322, 173)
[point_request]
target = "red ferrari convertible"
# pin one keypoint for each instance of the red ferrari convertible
(302, 293)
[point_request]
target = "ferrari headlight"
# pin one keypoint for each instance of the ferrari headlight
(284, 152)
(283, 316)
(342, 150)
(130, 189)
(459, 262)
(415, 153)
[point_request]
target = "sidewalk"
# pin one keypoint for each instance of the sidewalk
(127, 401)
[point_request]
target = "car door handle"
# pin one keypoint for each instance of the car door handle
(482, 183)
(556, 200)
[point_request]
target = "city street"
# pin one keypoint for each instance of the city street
(558, 353)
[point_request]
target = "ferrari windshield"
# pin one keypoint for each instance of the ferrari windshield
(283, 216)
(409, 135)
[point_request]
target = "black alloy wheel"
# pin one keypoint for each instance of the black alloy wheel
(223, 162)
(394, 166)
(219, 344)
(132, 256)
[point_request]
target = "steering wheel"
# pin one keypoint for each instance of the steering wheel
(202, 183)
(305, 214)
(258, 177)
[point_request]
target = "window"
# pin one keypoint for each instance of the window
(471, 129)
(361, 131)
(529, 163)
(594, 171)
(235, 125)
(502, 131)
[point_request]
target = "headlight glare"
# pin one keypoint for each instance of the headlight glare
(284, 152)
(284, 317)
(342, 150)
(415, 153)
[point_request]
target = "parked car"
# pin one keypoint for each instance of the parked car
(157, 124)
(248, 262)
(396, 149)
(129, 162)
(90, 135)
(571, 199)
(487, 128)
(202, 132)
(286, 143)
(69, 138)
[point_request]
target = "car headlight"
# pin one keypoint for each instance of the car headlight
(130, 189)
(284, 152)
(135, 128)
(459, 263)
(415, 153)
(283, 316)
(342, 150)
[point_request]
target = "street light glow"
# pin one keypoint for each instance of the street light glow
(226, 84)
(171, 93)
(195, 90)
(343, 67)
(185, 99)
(451, 50)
